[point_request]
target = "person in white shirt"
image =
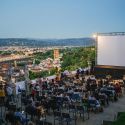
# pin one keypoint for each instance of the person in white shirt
(92, 98)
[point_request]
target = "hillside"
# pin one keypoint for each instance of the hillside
(46, 42)
(72, 59)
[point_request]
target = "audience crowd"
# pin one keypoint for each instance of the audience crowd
(62, 99)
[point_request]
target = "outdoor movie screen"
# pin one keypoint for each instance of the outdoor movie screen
(111, 50)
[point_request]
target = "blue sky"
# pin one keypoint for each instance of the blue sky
(60, 18)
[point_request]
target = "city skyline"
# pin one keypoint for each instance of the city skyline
(60, 18)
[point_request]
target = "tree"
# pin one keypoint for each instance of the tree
(77, 57)
(52, 71)
(37, 61)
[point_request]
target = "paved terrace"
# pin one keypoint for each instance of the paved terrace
(109, 113)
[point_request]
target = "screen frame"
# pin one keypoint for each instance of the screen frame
(96, 46)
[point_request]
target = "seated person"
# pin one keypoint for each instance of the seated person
(67, 98)
(93, 102)
(21, 116)
(91, 98)
(103, 98)
(9, 116)
(76, 95)
(98, 104)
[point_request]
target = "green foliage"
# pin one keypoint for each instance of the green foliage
(42, 56)
(34, 75)
(52, 71)
(5, 52)
(1, 52)
(120, 120)
(74, 58)
(20, 64)
(37, 61)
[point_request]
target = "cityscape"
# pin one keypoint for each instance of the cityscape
(62, 62)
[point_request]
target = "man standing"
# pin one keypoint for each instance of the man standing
(9, 91)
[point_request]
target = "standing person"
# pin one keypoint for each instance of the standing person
(14, 92)
(37, 88)
(9, 91)
(33, 92)
(2, 93)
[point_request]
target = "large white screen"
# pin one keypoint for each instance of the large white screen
(111, 50)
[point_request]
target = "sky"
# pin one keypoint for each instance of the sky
(60, 18)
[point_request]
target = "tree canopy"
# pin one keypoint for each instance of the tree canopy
(77, 57)
(72, 58)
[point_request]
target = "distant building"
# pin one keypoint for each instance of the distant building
(56, 54)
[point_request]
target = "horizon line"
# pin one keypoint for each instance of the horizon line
(43, 38)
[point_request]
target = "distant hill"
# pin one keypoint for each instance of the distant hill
(46, 42)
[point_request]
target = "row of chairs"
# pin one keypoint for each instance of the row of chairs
(64, 118)
(14, 120)
(79, 109)
(43, 123)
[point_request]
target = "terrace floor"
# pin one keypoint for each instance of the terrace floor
(109, 114)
